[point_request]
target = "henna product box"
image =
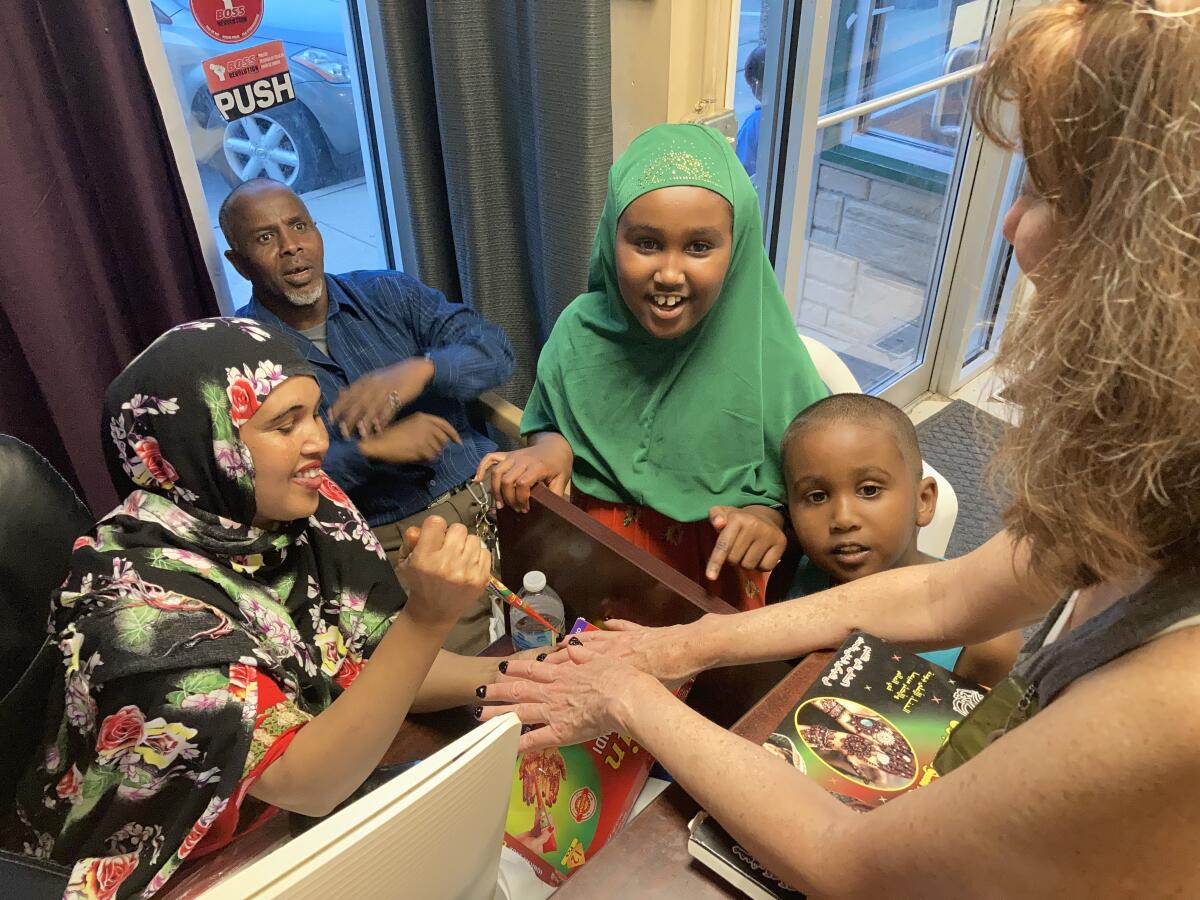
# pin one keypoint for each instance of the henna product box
(866, 730)
(568, 801)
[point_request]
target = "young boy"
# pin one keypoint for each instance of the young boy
(857, 499)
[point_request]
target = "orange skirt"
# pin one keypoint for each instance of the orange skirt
(684, 546)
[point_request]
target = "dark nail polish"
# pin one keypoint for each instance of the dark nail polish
(503, 667)
(481, 691)
(541, 657)
(477, 711)
(607, 618)
(525, 729)
(575, 642)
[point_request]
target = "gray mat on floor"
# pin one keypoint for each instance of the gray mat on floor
(958, 442)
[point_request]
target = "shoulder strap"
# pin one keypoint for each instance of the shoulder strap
(1168, 598)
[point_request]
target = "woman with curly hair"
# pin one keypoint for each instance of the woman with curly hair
(1075, 777)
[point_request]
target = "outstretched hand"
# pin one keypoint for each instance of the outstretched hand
(671, 654)
(576, 702)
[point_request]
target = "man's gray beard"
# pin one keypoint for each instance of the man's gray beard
(305, 296)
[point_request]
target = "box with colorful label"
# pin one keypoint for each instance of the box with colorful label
(868, 728)
(568, 801)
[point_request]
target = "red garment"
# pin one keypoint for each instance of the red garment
(684, 546)
(225, 828)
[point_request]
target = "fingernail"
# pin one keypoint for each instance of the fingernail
(477, 711)
(575, 642)
(607, 618)
(525, 729)
(541, 657)
(481, 691)
(503, 667)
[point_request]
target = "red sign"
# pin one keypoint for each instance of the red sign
(229, 21)
(249, 81)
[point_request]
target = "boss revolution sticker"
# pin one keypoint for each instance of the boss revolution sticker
(249, 81)
(228, 21)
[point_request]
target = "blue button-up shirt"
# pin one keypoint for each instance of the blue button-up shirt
(377, 319)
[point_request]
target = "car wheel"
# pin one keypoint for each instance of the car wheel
(285, 144)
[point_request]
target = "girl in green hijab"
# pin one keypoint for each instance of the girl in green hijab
(663, 393)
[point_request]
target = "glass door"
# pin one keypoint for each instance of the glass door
(879, 179)
(277, 91)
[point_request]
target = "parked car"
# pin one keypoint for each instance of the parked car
(307, 143)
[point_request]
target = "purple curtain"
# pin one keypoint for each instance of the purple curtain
(98, 254)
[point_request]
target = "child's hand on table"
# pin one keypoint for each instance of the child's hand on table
(512, 474)
(751, 537)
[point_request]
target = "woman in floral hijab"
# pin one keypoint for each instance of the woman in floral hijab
(203, 631)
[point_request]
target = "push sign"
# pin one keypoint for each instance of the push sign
(249, 81)
(228, 21)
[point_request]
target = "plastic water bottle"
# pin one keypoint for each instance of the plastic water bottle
(528, 632)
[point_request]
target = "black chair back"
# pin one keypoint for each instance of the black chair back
(40, 517)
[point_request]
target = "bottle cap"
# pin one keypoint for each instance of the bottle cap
(534, 582)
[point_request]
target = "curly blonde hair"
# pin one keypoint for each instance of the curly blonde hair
(1103, 470)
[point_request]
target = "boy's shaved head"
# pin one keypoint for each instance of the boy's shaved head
(861, 409)
(856, 496)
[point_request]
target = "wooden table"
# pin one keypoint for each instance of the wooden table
(598, 574)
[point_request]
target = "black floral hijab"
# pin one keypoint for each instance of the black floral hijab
(172, 602)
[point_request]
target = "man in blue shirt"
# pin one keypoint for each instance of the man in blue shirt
(396, 363)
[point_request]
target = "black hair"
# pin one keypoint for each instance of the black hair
(755, 65)
(862, 409)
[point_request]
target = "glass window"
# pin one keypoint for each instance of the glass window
(313, 143)
(880, 48)
(883, 188)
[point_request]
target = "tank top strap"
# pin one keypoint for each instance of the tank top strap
(1167, 600)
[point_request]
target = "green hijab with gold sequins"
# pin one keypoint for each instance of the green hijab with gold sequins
(684, 424)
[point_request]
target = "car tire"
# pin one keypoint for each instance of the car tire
(284, 143)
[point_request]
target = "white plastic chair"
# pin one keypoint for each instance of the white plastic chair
(934, 537)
